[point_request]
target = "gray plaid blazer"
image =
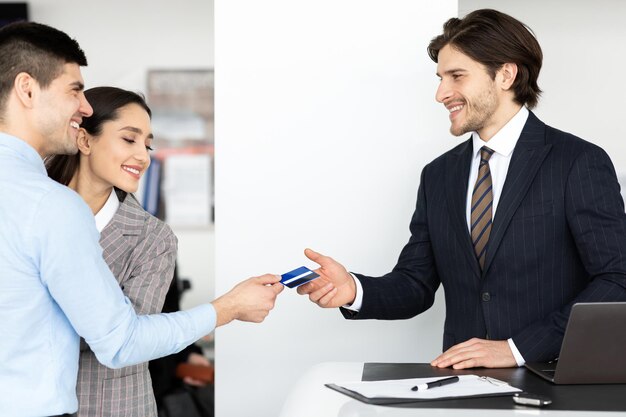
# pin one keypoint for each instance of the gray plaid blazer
(141, 251)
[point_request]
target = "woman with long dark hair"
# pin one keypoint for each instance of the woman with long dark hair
(114, 145)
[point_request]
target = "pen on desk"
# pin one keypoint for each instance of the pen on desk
(435, 384)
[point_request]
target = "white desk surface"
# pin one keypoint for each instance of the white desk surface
(310, 398)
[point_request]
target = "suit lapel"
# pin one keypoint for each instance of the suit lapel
(117, 237)
(528, 155)
(457, 172)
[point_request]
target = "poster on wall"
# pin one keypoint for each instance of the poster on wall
(182, 124)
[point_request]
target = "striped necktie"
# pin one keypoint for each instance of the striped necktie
(482, 206)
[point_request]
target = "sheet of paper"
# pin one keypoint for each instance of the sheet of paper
(468, 385)
(187, 189)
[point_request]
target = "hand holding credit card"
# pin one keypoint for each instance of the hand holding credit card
(297, 277)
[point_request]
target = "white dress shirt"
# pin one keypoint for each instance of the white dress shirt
(503, 144)
(106, 213)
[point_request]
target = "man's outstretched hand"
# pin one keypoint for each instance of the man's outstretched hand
(334, 288)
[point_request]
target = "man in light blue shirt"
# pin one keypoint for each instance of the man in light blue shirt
(54, 285)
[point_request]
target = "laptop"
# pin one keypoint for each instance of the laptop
(593, 349)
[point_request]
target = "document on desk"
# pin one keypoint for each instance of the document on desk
(400, 390)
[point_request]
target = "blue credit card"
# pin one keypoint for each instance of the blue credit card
(297, 277)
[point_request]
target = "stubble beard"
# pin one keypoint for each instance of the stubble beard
(58, 142)
(62, 145)
(478, 113)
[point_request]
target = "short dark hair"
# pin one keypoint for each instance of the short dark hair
(36, 49)
(106, 103)
(493, 39)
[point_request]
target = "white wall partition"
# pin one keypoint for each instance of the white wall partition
(325, 116)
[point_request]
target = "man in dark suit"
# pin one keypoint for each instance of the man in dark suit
(518, 223)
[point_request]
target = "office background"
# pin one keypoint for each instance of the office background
(122, 41)
(325, 118)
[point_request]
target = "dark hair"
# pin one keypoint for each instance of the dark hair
(36, 49)
(106, 103)
(494, 39)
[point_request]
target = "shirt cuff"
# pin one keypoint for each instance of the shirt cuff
(204, 318)
(518, 356)
(358, 299)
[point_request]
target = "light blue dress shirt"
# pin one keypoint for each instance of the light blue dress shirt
(55, 286)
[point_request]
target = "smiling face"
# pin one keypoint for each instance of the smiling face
(60, 109)
(469, 93)
(119, 155)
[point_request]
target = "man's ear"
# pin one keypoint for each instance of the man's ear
(25, 85)
(508, 73)
(83, 141)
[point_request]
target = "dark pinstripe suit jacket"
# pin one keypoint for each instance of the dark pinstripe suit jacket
(140, 251)
(558, 237)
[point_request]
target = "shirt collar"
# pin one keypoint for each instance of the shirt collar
(505, 140)
(23, 150)
(106, 213)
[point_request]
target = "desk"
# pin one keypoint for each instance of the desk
(310, 398)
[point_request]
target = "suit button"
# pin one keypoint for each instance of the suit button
(485, 296)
